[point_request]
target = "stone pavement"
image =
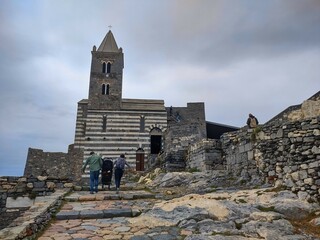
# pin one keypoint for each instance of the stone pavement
(140, 215)
(108, 215)
(104, 215)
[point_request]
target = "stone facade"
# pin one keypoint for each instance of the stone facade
(186, 125)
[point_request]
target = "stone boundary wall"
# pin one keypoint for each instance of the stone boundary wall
(55, 164)
(308, 109)
(284, 153)
(17, 192)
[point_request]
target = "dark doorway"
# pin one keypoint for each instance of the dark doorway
(155, 144)
(140, 160)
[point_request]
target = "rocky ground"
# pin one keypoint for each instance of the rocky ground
(186, 206)
(212, 208)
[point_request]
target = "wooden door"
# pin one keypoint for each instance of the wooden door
(140, 161)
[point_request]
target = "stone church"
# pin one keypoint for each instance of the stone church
(139, 128)
(110, 125)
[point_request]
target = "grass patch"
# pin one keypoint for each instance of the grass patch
(241, 200)
(305, 226)
(238, 225)
(266, 209)
(254, 134)
(220, 198)
(192, 170)
(32, 195)
(276, 189)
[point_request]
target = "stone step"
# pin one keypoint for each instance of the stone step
(105, 204)
(109, 195)
(98, 214)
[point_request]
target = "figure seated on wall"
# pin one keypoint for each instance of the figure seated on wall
(252, 121)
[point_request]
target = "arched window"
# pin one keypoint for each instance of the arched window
(105, 89)
(108, 67)
(104, 65)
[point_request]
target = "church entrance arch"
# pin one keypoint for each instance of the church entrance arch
(155, 140)
(140, 159)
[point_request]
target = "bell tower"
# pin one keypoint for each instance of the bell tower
(105, 88)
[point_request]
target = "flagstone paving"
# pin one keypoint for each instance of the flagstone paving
(108, 215)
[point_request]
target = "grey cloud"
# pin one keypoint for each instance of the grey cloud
(218, 33)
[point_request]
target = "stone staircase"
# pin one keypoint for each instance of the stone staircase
(105, 204)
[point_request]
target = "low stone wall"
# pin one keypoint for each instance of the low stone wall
(55, 164)
(284, 153)
(17, 193)
(281, 153)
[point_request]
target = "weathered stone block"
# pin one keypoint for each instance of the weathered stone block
(19, 202)
(308, 181)
(315, 150)
(303, 174)
(295, 176)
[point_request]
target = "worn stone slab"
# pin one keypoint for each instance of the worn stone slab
(11, 233)
(68, 215)
(19, 202)
(127, 196)
(71, 198)
(91, 214)
(143, 195)
(91, 197)
(111, 213)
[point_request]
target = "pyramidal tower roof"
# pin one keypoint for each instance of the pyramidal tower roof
(108, 44)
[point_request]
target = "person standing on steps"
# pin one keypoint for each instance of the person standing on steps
(119, 166)
(252, 121)
(95, 164)
(106, 172)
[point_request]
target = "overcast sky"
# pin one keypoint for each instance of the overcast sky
(235, 56)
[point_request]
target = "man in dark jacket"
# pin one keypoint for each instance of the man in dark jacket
(252, 121)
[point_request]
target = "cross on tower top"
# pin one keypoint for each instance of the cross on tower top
(110, 27)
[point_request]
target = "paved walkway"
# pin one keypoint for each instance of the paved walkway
(105, 215)
(108, 215)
